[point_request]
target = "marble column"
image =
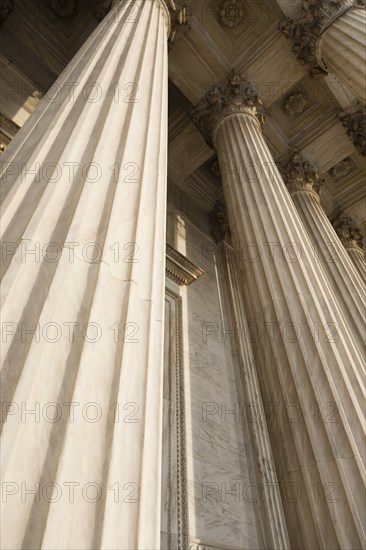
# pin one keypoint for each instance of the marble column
(351, 239)
(303, 184)
(306, 366)
(83, 223)
(271, 514)
(330, 36)
(341, 50)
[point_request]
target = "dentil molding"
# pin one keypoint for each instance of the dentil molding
(179, 269)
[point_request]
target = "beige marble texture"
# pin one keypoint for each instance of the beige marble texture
(306, 370)
(115, 200)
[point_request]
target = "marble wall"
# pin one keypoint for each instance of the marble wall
(222, 494)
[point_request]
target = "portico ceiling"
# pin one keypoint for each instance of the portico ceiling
(302, 112)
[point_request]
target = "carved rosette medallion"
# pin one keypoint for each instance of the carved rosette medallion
(306, 29)
(295, 104)
(341, 170)
(347, 230)
(232, 13)
(355, 124)
(300, 175)
(233, 95)
(219, 223)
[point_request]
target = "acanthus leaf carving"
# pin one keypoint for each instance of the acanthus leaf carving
(299, 175)
(233, 95)
(219, 223)
(305, 30)
(355, 124)
(347, 230)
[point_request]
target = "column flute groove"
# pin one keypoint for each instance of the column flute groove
(293, 292)
(93, 291)
(303, 185)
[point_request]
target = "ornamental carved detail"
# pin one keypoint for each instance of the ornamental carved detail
(6, 7)
(232, 13)
(233, 95)
(63, 8)
(355, 124)
(342, 169)
(347, 230)
(179, 15)
(300, 175)
(295, 104)
(178, 11)
(219, 223)
(306, 29)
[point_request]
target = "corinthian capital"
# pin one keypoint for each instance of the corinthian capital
(347, 230)
(355, 124)
(300, 175)
(233, 95)
(219, 223)
(306, 29)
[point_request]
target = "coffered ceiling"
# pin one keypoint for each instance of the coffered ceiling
(39, 40)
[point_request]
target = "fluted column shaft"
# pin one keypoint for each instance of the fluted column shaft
(274, 527)
(93, 183)
(305, 368)
(358, 259)
(342, 275)
(341, 48)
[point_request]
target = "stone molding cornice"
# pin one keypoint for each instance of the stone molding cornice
(355, 123)
(347, 230)
(179, 269)
(300, 176)
(233, 95)
(305, 30)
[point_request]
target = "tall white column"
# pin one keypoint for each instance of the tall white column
(351, 239)
(330, 37)
(83, 222)
(302, 181)
(341, 49)
(302, 364)
(273, 523)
